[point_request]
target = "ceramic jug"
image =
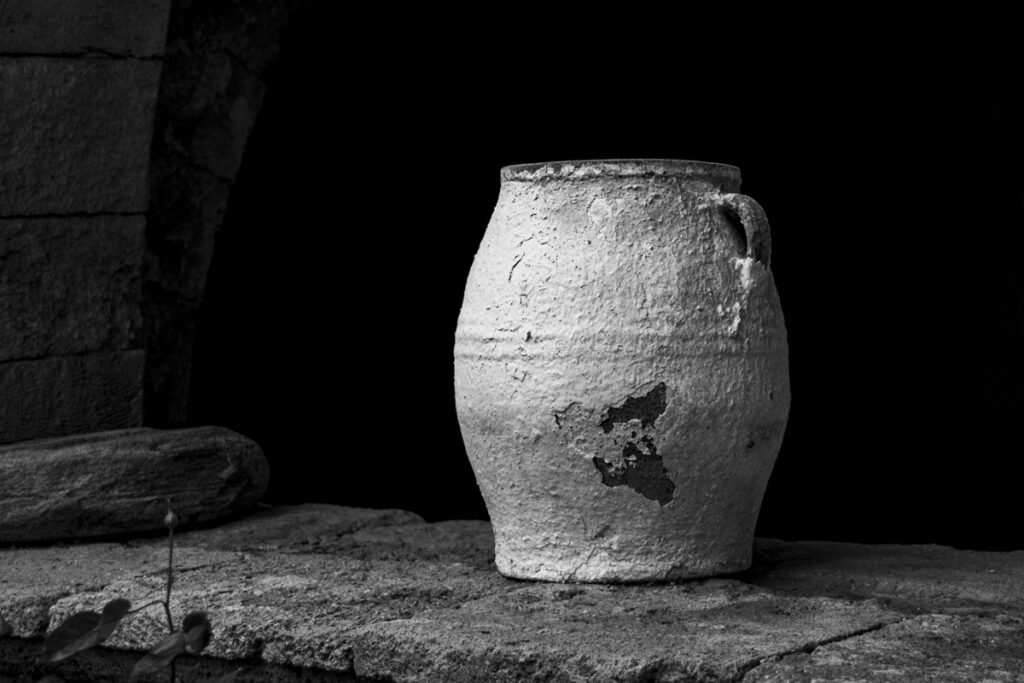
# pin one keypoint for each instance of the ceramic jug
(621, 370)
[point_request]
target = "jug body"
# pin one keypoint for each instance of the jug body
(621, 370)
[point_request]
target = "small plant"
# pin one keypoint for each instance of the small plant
(83, 630)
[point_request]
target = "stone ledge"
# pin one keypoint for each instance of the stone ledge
(349, 594)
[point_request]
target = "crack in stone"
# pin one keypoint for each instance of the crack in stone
(86, 53)
(72, 214)
(809, 648)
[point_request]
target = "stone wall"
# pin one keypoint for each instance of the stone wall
(78, 83)
(218, 54)
(123, 124)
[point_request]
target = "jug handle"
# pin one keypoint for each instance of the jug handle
(755, 225)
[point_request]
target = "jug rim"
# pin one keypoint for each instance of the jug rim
(579, 169)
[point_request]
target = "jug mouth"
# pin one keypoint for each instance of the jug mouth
(581, 169)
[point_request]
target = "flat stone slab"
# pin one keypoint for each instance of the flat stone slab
(34, 579)
(932, 647)
(297, 528)
(928, 577)
(381, 595)
(119, 482)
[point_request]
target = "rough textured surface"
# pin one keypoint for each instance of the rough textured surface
(387, 597)
(212, 88)
(933, 647)
(33, 579)
(69, 285)
(621, 370)
(70, 394)
(128, 28)
(300, 528)
(75, 134)
(119, 482)
(602, 633)
(927, 576)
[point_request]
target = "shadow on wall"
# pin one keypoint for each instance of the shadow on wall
(892, 181)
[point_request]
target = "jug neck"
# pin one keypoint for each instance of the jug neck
(723, 175)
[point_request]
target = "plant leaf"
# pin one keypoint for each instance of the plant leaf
(198, 632)
(161, 654)
(111, 616)
(83, 630)
(77, 633)
(5, 628)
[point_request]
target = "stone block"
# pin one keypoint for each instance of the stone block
(70, 394)
(75, 134)
(69, 285)
(136, 28)
(119, 482)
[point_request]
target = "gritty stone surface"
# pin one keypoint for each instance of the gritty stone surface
(926, 576)
(932, 647)
(109, 28)
(70, 394)
(621, 349)
(75, 134)
(285, 608)
(359, 609)
(300, 528)
(711, 630)
(35, 578)
(119, 482)
(468, 542)
(69, 285)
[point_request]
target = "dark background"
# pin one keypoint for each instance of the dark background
(885, 149)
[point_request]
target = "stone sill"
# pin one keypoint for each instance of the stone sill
(320, 592)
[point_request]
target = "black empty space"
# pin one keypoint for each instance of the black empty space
(885, 151)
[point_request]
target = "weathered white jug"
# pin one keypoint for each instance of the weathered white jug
(621, 370)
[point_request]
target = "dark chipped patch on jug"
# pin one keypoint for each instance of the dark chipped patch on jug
(641, 470)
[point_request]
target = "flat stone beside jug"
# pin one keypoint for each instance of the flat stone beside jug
(117, 482)
(621, 370)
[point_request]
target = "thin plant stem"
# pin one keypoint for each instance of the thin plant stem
(171, 521)
(170, 578)
(148, 604)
